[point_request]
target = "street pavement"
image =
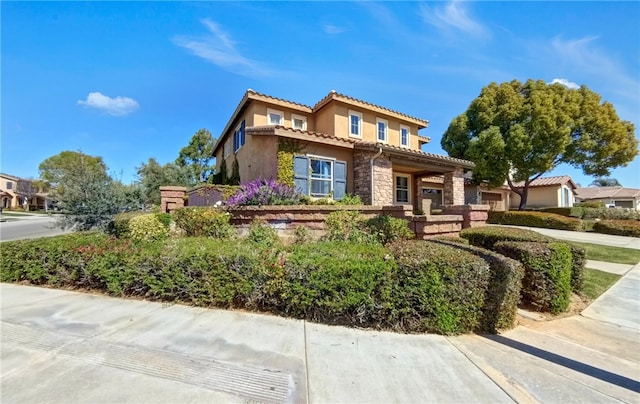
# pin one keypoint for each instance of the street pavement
(26, 226)
(69, 347)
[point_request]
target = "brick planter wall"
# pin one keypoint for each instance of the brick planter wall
(172, 198)
(472, 215)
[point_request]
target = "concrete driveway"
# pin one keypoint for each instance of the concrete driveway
(69, 347)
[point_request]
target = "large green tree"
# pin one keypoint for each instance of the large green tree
(82, 188)
(198, 156)
(152, 176)
(516, 132)
(605, 182)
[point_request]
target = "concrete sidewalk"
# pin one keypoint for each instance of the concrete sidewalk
(584, 237)
(62, 346)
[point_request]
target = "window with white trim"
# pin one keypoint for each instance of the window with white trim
(355, 124)
(274, 117)
(404, 136)
(402, 189)
(298, 122)
(320, 177)
(9, 185)
(381, 130)
(238, 137)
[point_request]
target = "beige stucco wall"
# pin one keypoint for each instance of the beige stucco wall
(539, 197)
(258, 113)
(333, 119)
(12, 201)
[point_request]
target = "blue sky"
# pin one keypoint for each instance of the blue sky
(129, 81)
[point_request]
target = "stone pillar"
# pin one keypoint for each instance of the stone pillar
(172, 198)
(382, 181)
(472, 215)
(454, 187)
(362, 175)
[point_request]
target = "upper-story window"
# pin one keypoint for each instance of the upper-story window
(355, 124)
(381, 126)
(238, 137)
(274, 117)
(299, 122)
(404, 136)
(9, 185)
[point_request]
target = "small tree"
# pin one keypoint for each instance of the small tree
(605, 182)
(153, 175)
(198, 156)
(517, 132)
(83, 189)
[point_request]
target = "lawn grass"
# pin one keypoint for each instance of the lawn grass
(605, 253)
(597, 282)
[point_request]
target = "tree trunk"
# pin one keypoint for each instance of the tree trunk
(523, 197)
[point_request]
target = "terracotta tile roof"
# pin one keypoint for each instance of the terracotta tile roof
(333, 95)
(250, 91)
(607, 192)
(278, 129)
(548, 181)
(405, 151)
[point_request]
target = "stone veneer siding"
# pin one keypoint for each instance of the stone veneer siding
(454, 187)
(362, 176)
(382, 178)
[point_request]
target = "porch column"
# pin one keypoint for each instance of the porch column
(454, 187)
(381, 188)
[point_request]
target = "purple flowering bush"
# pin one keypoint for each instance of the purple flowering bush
(264, 192)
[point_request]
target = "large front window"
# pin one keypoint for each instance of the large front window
(321, 177)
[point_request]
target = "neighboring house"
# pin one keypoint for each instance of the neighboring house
(16, 192)
(547, 192)
(617, 196)
(340, 145)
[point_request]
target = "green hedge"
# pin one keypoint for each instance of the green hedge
(574, 211)
(487, 236)
(535, 219)
(412, 287)
(438, 288)
(547, 279)
(204, 222)
(630, 228)
(503, 293)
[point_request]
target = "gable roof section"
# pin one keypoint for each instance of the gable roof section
(403, 151)
(548, 182)
(335, 96)
(607, 192)
(304, 135)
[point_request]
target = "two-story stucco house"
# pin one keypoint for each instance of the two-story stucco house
(340, 145)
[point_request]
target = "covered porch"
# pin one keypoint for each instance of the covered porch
(389, 175)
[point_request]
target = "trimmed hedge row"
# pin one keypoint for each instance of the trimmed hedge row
(599, 212)
(503, 293)
(415, 286)
(535, 219)
(547, 278)
(630, 228)
(488, 236)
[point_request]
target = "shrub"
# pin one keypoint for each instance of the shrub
(547, 280)
(164, 218)
(438, 288)
(204, 222)
(333, 282)
(387, 229)
(147, 228)
(349, 199)
(264, 192)
(503, 293)
(629, 228)
(262, 234)
(535, 219)
(452, 239)
(487, 236)
(301, 235)
(590, 204)
(119, 227)
(347, 225)
(574, 211)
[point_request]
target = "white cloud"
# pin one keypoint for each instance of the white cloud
(566, 83)
(118, 106)
(218, 48)
(454, 16)
(332, 29)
